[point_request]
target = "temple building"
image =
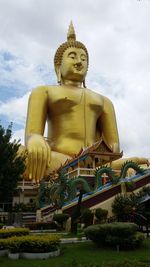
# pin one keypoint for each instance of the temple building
(88, 159)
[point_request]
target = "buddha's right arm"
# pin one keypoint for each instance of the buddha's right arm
(108, 125)
(37, 147)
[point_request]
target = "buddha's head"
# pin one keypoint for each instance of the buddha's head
(71, 59)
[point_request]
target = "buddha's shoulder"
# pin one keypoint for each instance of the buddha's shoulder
(98, 96)
(94, 94)
(44, 88)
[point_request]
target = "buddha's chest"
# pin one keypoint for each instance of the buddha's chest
(70, 101)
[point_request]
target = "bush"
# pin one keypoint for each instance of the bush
(2, 244)
(144, 191)
(61, 218)
(137, 240)
(122, 207)
(12, 244)
(31, 244)
(1, 225)
(124, 235)
(87, 217)
(101, 215)
(80, 232)
(5, 233)
(131, 242)
(42, 225)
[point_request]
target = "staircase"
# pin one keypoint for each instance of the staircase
(103, 197)
(106, 193)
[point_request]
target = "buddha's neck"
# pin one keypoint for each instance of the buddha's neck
(72, 83)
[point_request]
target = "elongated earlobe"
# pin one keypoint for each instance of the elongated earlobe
(84, 85)
(59, 77)
(58, 72)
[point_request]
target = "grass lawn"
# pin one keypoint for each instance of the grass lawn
(85, 253)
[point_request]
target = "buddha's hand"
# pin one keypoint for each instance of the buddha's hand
(38, 156)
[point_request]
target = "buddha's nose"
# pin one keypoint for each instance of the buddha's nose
(78, 64)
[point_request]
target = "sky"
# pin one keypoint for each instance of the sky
(117, 36)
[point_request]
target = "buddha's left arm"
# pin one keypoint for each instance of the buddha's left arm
(108, 125)
(37, 147)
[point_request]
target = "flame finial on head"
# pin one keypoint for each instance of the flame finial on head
(71, 36)
(71, 42)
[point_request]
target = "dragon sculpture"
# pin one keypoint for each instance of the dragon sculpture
(67, 189)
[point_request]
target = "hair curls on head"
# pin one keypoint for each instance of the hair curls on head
(71, 42)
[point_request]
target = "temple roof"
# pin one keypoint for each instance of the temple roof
(100, 149)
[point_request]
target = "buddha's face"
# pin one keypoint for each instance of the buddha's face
(74, 64)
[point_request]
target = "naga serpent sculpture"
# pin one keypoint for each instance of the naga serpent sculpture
(66, 189)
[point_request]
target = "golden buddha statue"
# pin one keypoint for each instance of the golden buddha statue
(76, 116)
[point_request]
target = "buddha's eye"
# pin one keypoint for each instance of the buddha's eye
(72, 55)
(83, 58)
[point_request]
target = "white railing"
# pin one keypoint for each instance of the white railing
(80, 172)
(27, 185)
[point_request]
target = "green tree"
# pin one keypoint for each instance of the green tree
(101, 215)
(122, 207)
(12, 165)
(87, 217)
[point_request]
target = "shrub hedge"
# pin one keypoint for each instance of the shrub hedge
(1, 225)
(5, 233)
(122, 207)
(61, 217)
(123, 235)
(42, 225)
(31, 244)
(87, 217)
(101, 214)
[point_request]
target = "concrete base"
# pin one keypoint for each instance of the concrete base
(41, 256)
(13, 256)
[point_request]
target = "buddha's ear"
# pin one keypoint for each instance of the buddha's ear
(58, 73)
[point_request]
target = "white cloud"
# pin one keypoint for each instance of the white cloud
(17, 70)
(15, 109)
(18, 135)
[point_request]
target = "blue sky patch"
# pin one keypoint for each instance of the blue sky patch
(5, 123)
(12, 90)
(7, 56)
